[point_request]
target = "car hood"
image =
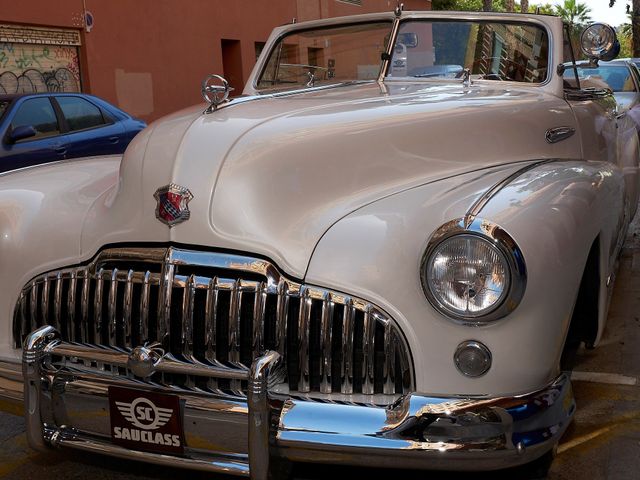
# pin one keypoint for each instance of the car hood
(271, 175)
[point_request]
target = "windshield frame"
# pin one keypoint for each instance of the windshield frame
(479, 19)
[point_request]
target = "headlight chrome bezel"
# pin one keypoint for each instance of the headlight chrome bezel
(499, 239)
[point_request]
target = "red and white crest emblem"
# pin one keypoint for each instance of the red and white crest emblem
(172, 204)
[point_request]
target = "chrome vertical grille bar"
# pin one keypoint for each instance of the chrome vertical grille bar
(234, 323)
(304, 323)
(211, 319)
(45, 300)
(347, 347)
(326, 328)
(282, 313)
(389, 367)
(259, 303)
(188, 304)
(24, 319)
(234, 329)
(143, 326)
(71, 307)
(164, 304)
(97, 307)
(126, 309)
(34, 306)
(113, 321)
(57, 304)
(368, 352)
(84, 306)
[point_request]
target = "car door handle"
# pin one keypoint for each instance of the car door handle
(114, 139)
(61, 150)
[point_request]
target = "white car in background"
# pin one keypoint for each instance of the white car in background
(376, 256)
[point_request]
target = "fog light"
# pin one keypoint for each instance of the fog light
(472, 359)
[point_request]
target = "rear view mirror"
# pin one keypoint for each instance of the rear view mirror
(22, 132)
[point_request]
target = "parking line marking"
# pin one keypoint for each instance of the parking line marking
(585, 438)
(609, 378)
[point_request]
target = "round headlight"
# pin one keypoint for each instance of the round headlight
(467, 275)
(473, 272)
(599, 41)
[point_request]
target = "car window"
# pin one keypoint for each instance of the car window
(38, 113)
(3, 107)
(80, 114)
(617, 77)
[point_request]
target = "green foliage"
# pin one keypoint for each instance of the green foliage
(573, 12)
(546, 9)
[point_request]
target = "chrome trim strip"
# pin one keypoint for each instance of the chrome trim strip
(483, 199)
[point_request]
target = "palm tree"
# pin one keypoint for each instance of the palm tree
(509, 5)
(487, 5)
(524, 6)
(574, 13)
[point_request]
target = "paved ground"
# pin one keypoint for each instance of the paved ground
(602, 443)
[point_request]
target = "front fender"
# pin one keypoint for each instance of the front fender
(553, 212)
(42, 210)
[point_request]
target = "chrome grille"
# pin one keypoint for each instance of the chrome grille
(221, 310)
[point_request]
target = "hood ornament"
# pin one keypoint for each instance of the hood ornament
(172, 204)
(215, 90)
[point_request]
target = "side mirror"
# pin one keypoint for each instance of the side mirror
(22, 132)
(599, 42)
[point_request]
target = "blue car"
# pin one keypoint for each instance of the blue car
(46, 127)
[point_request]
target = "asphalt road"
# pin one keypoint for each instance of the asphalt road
(603, 442)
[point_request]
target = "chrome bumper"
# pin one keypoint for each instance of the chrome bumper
(70, 408)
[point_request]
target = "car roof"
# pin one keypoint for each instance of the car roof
(13, 96)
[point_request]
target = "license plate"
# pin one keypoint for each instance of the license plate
(146, 421)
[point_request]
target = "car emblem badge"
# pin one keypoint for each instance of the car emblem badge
(172, 204)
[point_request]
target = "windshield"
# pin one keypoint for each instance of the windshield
(325, 56)
(617, 77)
(492, 51)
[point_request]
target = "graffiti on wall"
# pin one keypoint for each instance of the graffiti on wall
(30, 68)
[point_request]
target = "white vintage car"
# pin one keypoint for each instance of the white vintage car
(375, 256)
